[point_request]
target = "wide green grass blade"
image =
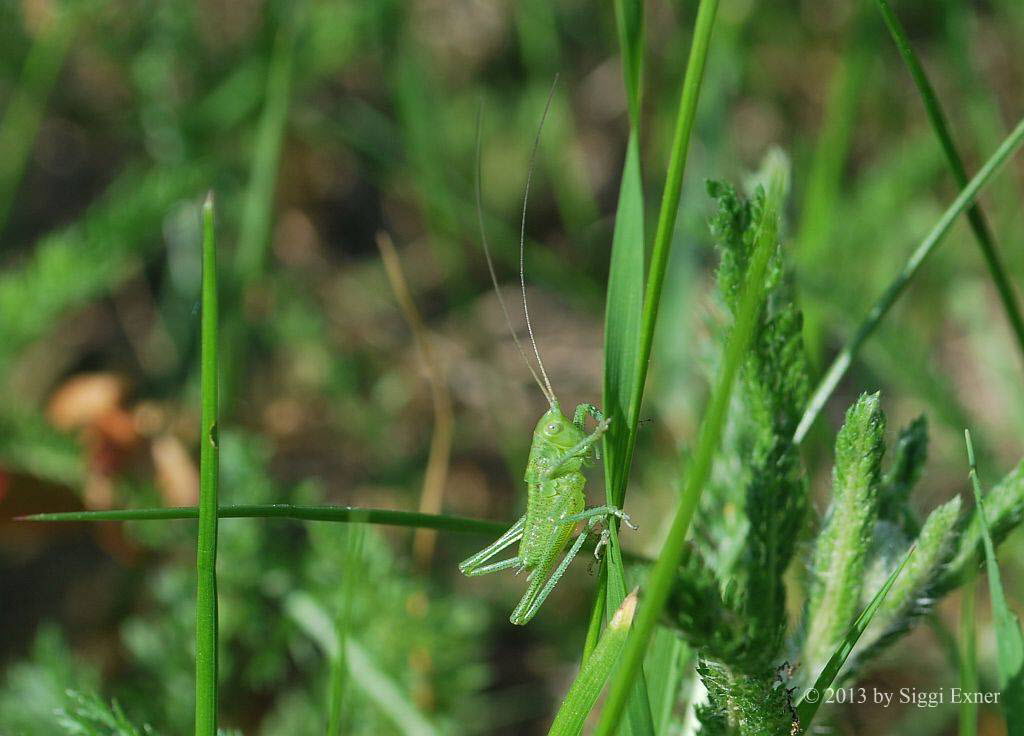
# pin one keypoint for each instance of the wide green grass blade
(808, 707)
(206, 546)
(623, 309)
(662, 575)
(629, 20)
(662, 246)
(666, 668)
(622, 323)
(895, 289)
(622, 317)
(630, 24)
(594, 673)
(982, 233)
(1009, 640)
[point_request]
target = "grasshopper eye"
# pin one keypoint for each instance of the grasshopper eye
(553, 428)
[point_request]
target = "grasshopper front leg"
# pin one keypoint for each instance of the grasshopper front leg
(580, 416)
(585, 410)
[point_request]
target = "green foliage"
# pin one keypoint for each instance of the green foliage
(745, 703)
(263, 562)
(864, 590)
(88, 715)
(908, 597)
(36, 687)
(759, 469)
(735, 616)
(28, 443)
(87, 259)
(909, 456)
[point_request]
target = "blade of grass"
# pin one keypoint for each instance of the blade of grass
(878, 312)
(436, 475)
(622, 318)
(206, 547)
(258, 206)
(351, 514)
(968, 660)
(666, 224)
(24, 111)
(617, 474)
(807, 707)
(661, 577)
(384, 692)
(1009, 640)
(339, 514)
(623, 309)
(825, 174)
(595, 670)
(665, 669)
(629, 21)
(254, 234)
(351, 578)
(977, 221)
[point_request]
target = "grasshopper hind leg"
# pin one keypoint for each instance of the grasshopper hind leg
(476, 564)
(542, 584)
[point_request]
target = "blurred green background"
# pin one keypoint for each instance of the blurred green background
(319, 124)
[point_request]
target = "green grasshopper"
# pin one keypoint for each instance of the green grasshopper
(555, 486)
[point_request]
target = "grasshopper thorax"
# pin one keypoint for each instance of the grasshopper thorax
(554, 435)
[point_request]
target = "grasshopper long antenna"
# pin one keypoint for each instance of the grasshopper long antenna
(548, 394)
(522, 242)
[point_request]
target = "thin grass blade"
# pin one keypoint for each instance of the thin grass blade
(881, 308)
(975, 217)
(685, 117)
(257, 211)
(808, 706)
(1009, 640)
(349, 514)
(206, 547)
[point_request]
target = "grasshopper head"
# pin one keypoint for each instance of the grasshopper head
(554, 428)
